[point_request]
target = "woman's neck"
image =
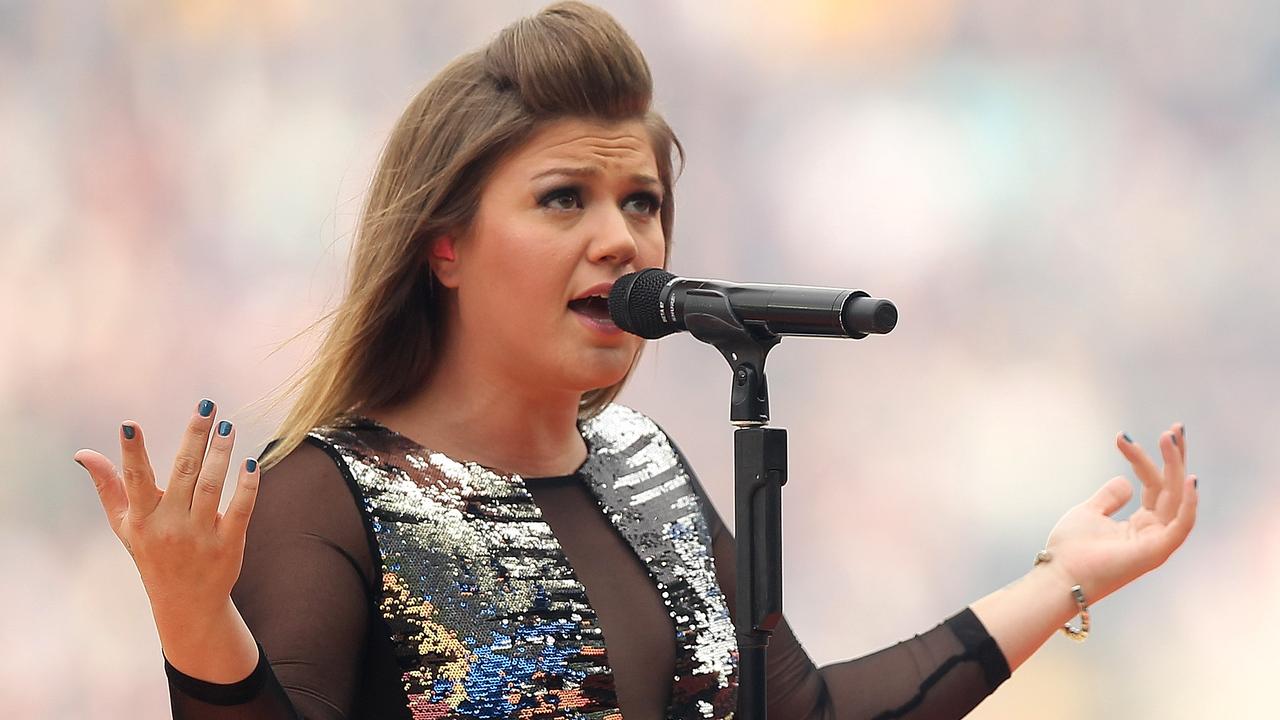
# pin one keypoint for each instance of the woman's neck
(503, 423)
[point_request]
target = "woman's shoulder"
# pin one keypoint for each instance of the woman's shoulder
(308, 490)
(318, 462)
(621, 426)
(353, 436)
(307, 457)
(618, 417)
(627, 425)
(309, 470)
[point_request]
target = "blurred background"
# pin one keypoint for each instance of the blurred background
(1073, 205)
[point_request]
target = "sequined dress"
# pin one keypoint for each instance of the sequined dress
(384, 580)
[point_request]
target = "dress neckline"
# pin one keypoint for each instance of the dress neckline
(574, 476)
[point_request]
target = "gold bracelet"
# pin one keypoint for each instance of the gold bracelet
(1075, 633)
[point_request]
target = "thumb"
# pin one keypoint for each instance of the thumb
(106, 480)
(99, 467)
(1111, 496)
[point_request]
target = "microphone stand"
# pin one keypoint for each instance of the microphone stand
(760, 471)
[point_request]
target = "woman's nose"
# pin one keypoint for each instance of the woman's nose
(613, 239)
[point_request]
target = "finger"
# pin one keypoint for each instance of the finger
(139, 480)
(115, 503)
(1111, 496)
(186, 466)
(236, 520)
(1180, 431)
(1144, 467)
(213, 473)
(1178, 529)
(1175, 476)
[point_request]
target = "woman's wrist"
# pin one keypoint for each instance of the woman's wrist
(1022, 615)
(1054, 583)
(211, 644)
(224, 694)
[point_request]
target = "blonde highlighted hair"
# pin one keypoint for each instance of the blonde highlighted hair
(569, 60)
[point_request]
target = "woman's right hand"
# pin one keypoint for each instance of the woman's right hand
(188, 554)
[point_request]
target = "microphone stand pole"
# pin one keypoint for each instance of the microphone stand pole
(760, 471)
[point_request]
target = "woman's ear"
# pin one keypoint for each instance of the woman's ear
(443, 259)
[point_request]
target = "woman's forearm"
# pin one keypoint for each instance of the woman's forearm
(1025, 613)
(212, 645)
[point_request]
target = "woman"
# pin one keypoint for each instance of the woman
(455, 517)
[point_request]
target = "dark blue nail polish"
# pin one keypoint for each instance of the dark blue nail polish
(1127, 438)
(206, 408)
(224, 428)
(1196, 483)
(128, 431)
(251, 464)
(1175, 439)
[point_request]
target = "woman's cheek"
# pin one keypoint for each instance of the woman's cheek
(654, 253)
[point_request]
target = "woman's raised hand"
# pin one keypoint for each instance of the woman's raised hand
(188, 554)
(1102, 554)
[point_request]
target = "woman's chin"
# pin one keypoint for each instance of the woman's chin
(602, 369)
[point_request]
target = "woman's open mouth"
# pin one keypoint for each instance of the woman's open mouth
(593, 311)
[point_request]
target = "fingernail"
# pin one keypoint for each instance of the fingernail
(80, 464)
(1127, 438)
(1175, 439)
(206, 408)
(1195, 482)
(251, 465)
(224, 428)
(129, 432)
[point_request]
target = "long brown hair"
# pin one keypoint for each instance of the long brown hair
(569, 60)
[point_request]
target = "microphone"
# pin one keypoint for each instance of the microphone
(653, 303)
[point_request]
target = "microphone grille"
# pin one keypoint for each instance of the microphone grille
(635, 303)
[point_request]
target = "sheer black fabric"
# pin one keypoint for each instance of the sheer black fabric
(310, 577)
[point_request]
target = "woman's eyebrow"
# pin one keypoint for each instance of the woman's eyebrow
(592, 171)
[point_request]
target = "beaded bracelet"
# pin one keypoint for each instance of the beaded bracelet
(1082, 632)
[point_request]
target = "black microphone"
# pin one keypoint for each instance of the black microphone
(653, 303)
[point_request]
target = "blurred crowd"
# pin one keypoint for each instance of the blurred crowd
(1073, 206)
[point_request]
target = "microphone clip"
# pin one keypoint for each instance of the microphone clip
(709, 317)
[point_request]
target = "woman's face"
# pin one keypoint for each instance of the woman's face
(561, 218)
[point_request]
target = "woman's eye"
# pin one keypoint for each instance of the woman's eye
(643, 203)
(561, 199)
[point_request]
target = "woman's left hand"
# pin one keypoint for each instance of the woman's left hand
(1101, 554)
